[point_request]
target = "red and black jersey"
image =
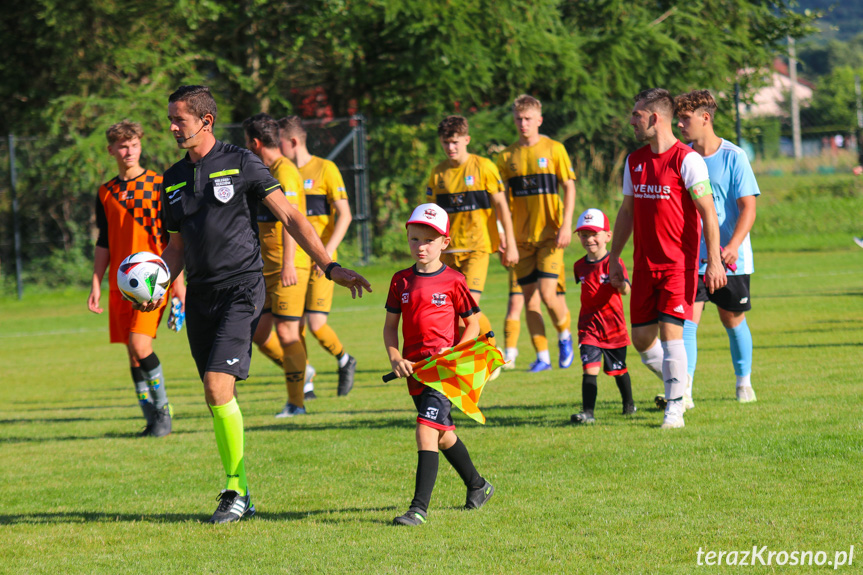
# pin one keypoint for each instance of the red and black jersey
(430, 306)
(601, 322)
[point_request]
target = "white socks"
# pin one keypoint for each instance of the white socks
(674, 368)
(652, 358)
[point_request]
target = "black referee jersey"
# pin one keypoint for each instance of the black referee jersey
(213, 204)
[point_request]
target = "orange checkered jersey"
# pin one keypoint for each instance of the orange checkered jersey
(270, 228)
(323, 186)
(128, 215)
(533, 175)
(465, 193)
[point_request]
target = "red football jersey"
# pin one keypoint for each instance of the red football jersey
(601, 322)
(666, 226)
(430, 305)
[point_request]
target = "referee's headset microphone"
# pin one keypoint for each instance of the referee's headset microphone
(206, 123)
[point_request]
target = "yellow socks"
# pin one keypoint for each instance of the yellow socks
(272, 349)
(329, 340)
(295, 371)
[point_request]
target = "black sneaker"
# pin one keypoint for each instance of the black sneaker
(476, 498)
(346, 376)
(412, 517)
(629, 409)
(149, 411)
(161, 422)
(583, 418)
(310, 395)
(660, 401)
(232, 507)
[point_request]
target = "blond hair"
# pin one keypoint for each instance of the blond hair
(123, 131)
(525, 102)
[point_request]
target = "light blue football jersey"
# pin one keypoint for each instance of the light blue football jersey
(731, 178)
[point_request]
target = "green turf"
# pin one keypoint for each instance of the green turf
(82, 494)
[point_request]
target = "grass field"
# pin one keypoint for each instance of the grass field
(82, 494)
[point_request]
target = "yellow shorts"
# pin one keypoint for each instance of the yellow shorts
(319, 297)
(515, 289)
(473, 265)
(536, 260)
(286, 302)
(123, 319)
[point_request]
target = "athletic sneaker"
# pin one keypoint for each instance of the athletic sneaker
(584, 417)
(494, 375)
(629, 409)
(346, 376)
(688, 403)
(858, 241)
(476, 498)
(745, 394)
(673, 415)
(660, 402)
(290, 410)
(149, 411)
(566, 356)
(538, 366)
(412, 517)
(308, 384)
(510, 361)
(232, 507)
(161, 422)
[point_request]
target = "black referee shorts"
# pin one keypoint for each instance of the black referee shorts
(433, 409)
(733, 297)
(220, 322)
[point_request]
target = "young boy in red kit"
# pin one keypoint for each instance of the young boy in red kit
(602, 331)
(429, 298)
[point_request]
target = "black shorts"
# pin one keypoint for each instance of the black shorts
(220, 322)
(614, 360)
(733, 297)
(433, 409)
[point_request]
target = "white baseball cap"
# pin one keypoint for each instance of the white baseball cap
(594, 220)
(431, 215)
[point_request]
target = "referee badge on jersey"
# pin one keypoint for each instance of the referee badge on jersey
(543, 162)
(223, 189)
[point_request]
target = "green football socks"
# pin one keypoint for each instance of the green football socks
(228, 425)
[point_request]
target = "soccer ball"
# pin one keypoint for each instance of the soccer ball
(143, 277)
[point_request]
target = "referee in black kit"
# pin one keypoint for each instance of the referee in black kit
(210, 201)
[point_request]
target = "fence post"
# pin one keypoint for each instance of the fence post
(859, 119)
(361, 186)
(737, 127)
(795, 103)
(13, 181)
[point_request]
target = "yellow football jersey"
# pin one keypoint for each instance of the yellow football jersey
(270, 228)
(533, 175)
(322, 185)
(465, 193)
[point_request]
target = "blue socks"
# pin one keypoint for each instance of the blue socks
(740, 339)
(690, 341)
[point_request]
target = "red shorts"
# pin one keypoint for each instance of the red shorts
(124, 320)
(670, 292)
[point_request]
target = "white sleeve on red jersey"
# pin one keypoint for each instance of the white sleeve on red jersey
(627, 179)
(693, 170)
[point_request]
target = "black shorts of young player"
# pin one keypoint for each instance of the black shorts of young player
(221, 320)
(433, 409)
(614, 360)
(733, 297)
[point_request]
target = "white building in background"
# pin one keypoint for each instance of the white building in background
(770, 100)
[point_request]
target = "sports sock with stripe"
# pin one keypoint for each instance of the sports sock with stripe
(674, 368)
(295, 372)
(152, 369)
(511, 329)
(142, 391)
(228, 425)
(740, 340)
(272, 349)
(329, 340)
(459, 458)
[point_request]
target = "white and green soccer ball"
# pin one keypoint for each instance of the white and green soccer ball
(143, 277)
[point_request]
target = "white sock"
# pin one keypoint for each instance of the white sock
(652, 358)
(565, 334)
(543, 356)
(343, 361)
(689, 379)
(510, 353)
(743, 381)
(308, 387)
(674, 368)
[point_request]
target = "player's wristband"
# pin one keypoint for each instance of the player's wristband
(330, 268)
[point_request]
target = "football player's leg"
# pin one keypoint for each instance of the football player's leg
(512, 323)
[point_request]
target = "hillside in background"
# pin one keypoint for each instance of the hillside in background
(843, 19)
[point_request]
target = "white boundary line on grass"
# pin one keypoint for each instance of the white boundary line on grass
(57, 332)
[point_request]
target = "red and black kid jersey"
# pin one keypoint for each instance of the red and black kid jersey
(430, 305)
(601, 322)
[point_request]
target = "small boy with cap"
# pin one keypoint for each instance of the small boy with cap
(602, 333)
(429, 298)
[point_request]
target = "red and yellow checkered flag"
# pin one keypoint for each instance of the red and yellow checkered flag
(460, 373)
